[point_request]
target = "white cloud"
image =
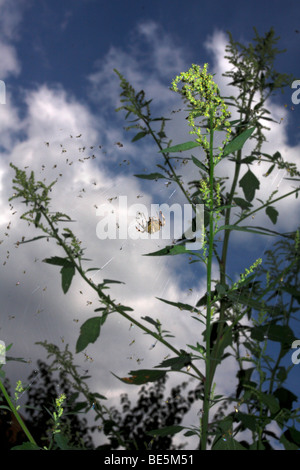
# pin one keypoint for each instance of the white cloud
(9, 63)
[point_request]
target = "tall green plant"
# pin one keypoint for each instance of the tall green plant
(222, 309)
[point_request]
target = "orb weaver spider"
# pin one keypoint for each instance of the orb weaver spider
(152, 225)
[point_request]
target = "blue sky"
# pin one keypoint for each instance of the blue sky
(58, 60)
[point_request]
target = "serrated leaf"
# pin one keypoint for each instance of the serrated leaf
(142, 376)
(272, 213)
(89, 332)
(270, 401)
(249, 184)
(228, 444)
(139, 136)
(176, 363)
(179, 305)
(67, 273)
(151, 176)
(56, 260)
(181, 147)
(26, 446)
(249, 421)
(242, 203)
(238, 142)
(279, 333)
(243, 229)
(62, 441)
(150, 320)
(170, 250)
(79, 406)
(285, 397)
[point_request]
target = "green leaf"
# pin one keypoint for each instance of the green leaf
(248, 160)
(97, 395)
(200, 349)
(37, 218)
(281, 374)
(280, 333)
(249, 183)
(292, 436)
(112, 281)
(17, 359)
(270, 401)
(258, 333)
(277, 156)
(152, 176)
(142, 376)
(238, 142)
(167, 431)
(32, 239)
(190, 433)
(270, 231)
(56, 260)
(242, 203)
(288, 445)
(170, 250)
(270, 170)
(243, 229)
(124, 308)
(62, 441)
(89, 332)
(139, 136)
(150, 320)
(179, 305)
(272, 213)
(199, 164)
(228, 444)
(285, 397)
(177, 363)
(26, 446)
(248, 421)
(67, 273)
(107, 281)
(181, 147)
(293, 292)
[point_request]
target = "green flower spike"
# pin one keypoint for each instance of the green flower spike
(209, 102)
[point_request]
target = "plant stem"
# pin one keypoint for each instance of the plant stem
(207, 385)
(16, 414)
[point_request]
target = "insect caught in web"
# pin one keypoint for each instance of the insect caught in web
(152, 225)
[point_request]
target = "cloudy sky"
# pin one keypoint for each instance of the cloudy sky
(57, 61)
